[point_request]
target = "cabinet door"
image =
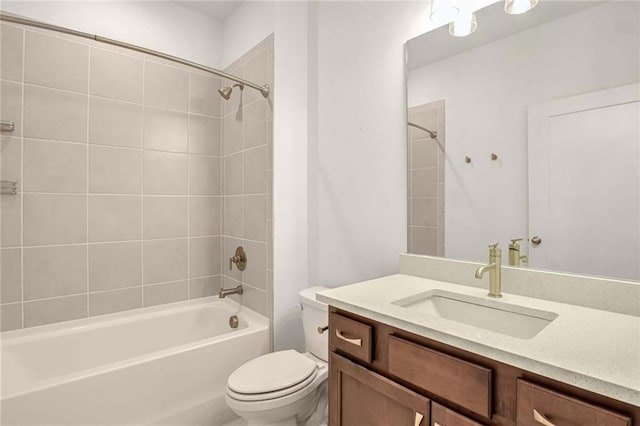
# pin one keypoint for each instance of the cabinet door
(360, 397)
(441, 416)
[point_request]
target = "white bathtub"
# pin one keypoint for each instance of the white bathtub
(161, 365)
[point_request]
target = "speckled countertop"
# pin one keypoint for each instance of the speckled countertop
(592, 349)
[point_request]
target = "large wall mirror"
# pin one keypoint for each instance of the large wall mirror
(529, 129)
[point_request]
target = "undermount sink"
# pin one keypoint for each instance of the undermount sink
(492, 315)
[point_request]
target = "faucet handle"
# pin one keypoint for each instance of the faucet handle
(493, 246)
(515, 240)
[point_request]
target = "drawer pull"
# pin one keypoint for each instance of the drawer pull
(436, 424)
(541, 419)
(419, 418)
(357, 342)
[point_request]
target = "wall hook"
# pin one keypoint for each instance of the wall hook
(467, 159)
(494, 157)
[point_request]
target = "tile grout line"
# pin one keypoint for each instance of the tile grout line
(24, 54)
(87, 177)
(188, 191)
(142, 302)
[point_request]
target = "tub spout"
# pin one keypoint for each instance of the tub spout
(224, 292)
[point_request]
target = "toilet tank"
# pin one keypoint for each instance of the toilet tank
(315, 314)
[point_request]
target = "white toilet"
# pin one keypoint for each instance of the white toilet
(287, 388)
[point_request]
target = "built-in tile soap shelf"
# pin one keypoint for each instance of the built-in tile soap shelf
(9, 187)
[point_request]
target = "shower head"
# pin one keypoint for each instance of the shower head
(225, 92)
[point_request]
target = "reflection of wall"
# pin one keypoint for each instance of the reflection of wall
(426, 180)
(487, 93)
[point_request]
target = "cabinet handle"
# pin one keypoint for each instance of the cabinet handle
(436, 424)
(541, 419)
(357, 342)
(419, 418)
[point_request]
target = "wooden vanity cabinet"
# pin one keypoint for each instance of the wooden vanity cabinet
(381, 375)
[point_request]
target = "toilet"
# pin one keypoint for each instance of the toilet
(287, 388)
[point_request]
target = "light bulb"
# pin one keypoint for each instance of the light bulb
(463, 25)
(516, 7)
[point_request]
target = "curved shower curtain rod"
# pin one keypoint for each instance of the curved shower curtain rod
(264, 89)
(431, 133)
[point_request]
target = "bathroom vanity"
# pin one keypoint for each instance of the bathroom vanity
(399, 355)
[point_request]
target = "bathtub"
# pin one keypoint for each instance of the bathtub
(160, 365)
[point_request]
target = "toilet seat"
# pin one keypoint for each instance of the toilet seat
(272, 376)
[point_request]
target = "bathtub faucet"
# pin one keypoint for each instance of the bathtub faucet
(224, 292)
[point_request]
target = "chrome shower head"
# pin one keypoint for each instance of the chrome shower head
(225, 92)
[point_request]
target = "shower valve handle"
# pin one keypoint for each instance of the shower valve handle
(240, 259)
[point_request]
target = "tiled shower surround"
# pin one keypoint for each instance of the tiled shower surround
(426, 180)
(126, 164)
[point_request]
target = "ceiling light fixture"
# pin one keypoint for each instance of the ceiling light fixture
(516, 7)
(463, 25)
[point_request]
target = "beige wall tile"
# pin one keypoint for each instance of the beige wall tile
(53, 114)
(10, 317)
(233, 223)
(233, 174)
(255, 217)
(115, 170)
(255, 69)
(54, 167)
(270, 245)
(54, 219)
(205, 216)
(115, 301)
(164, 260)
(165, 130)
(49, 311)
(255, 299)
(114, 75)
(166, 87)
(424, 211)
(54, 271)
(10, 158)
(114, 217)
(159, 294)
(203, 95)
(11, 275)
(115, 123)
(204, 256)
(10, 205)
(55, 62)
(423, 240)
(203, 287)
(164, 217)
(204, 175)
(255, 124)
(424, 182)
(255, 170)
(204, 135)
(11, 104)
(423, 153)
(232, 133)
(256, 273)
(10, 220)
(165, 173)
(115, 265)
(11, 49)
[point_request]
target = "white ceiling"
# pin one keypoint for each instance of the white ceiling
(216, 9)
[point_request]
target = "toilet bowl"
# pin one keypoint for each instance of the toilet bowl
(286, 388)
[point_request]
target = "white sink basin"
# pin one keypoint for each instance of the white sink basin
(488, 314)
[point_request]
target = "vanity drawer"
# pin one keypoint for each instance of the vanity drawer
(441, 416)
(350, 337)
(463, 383)
(540, 406)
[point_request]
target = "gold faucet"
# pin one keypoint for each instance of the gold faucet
(514, 254)
(494, 268)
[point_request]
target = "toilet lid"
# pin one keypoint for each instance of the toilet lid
(271, 373)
